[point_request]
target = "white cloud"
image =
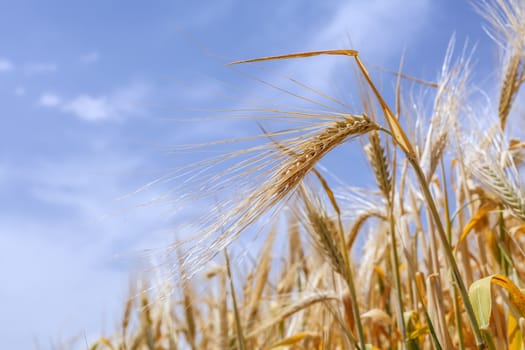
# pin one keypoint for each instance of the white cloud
(90, 57)
(40, 68)
(376, 27)
(89, 108)
(120, 103)
(5, 65)
(49, 100)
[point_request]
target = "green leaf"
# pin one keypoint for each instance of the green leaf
(481, 300)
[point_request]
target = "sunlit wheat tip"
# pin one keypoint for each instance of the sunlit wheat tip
(377, 156)
(311, 150)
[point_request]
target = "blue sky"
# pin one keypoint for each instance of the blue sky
(88, 94)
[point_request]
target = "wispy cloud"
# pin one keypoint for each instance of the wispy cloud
(376, 27)
(49, 99)
(40, 68)
(120, 103)
(90, 108)
(90, 57)
(5, 65)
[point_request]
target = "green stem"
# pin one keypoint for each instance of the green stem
(240, 336)
(459, 322)
(504, 260)
(457, 313)
(351, 287)
(397, 278)
(448, 252)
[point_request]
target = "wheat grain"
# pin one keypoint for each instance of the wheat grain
(377, 156)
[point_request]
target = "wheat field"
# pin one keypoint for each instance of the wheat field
(443, 257)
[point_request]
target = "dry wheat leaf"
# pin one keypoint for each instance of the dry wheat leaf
(416, 330)
(378, 315)
(476, 218)
(419, 333)
(105, 341)
(291, 340)
(514, 334)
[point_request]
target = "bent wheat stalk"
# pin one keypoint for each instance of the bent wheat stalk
(399, 137)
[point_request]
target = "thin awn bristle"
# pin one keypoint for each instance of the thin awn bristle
(300, 305)
(507, 20)
(449, 101)
(300, 155)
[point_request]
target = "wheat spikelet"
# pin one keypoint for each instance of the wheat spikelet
(262, 272)
(323, 230)
(507, 20)
(146, 321)
(377, 156)
(512, 80)
(298, 156)
(126, 319)
(493, 166)
(449, 101)
(501, 186)
(310, 151)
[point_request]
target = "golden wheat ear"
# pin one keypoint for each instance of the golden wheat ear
(397, 132)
